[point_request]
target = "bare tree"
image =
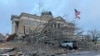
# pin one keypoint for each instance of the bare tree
(95, 34)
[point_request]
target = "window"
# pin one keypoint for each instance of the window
(58, 25)
(27, 29)
(31, 23)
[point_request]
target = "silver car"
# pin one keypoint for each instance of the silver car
(69, 44)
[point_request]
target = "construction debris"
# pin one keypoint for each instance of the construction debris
(11, 37)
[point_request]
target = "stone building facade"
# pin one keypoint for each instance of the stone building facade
(24, 23)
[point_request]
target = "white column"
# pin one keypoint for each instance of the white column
(13, 27)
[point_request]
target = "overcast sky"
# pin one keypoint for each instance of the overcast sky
(90, 11)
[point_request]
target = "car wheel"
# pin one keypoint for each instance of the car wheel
(69, 47)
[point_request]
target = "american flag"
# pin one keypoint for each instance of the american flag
(77, 13)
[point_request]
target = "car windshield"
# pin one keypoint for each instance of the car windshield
(66, 41)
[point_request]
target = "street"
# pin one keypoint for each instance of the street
(84, 53)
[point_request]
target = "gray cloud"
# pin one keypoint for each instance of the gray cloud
(90, 11)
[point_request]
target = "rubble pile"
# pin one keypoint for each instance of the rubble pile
(85, 45)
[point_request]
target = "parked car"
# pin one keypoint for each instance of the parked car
(69, 44)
